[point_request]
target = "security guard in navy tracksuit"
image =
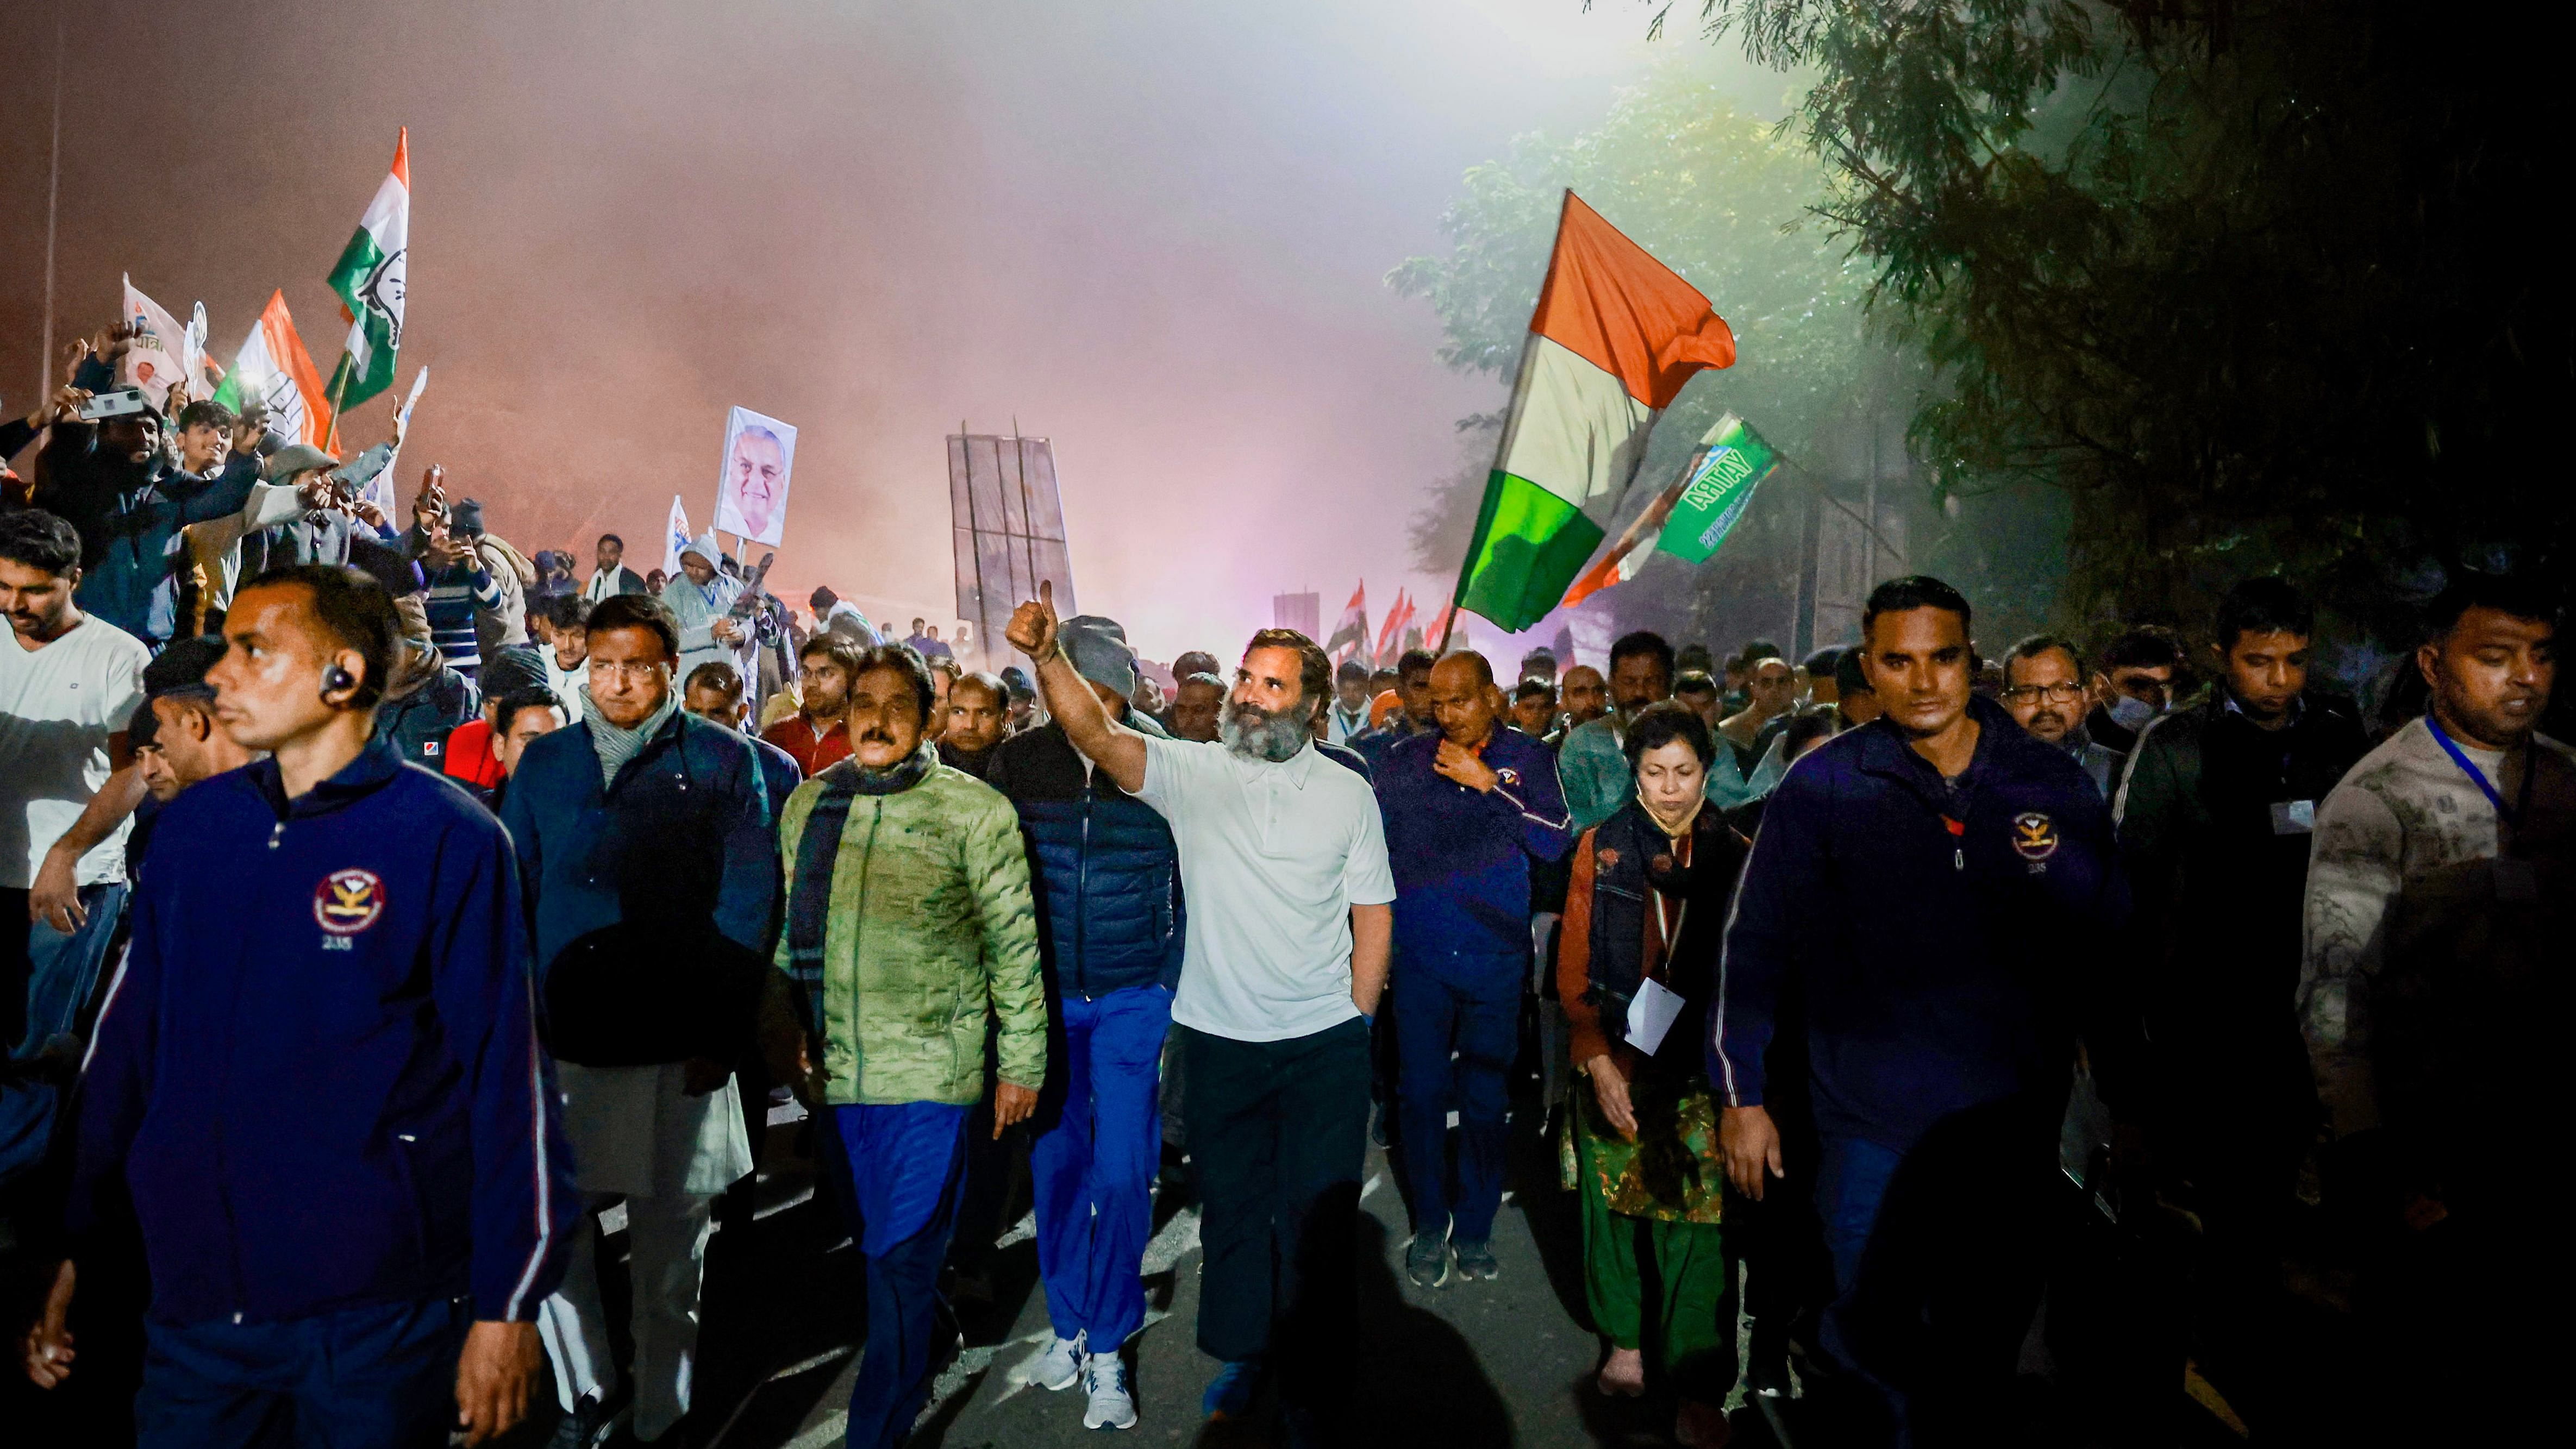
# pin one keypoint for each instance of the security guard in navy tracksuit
(317, 1074)
(1932, 882)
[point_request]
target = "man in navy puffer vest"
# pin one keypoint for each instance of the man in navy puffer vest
(1109, 903)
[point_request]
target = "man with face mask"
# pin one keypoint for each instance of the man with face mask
(1593, 763)
(908, 918)
(1109, 897)
(2138, 679)
(1283, 859)
(2044, 693)
(2441, 897)
(1466, 811)
(646, 851)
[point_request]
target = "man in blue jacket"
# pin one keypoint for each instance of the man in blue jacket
(317, 1074)
(1932, 886)
(651, 873)
(1109, 910)
(1466, 810)
(127, 498)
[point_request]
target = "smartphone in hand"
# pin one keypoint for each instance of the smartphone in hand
(123, 402)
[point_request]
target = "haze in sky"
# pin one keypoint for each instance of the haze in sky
(1154, 232)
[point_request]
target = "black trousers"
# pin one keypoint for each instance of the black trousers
(1278, 1133)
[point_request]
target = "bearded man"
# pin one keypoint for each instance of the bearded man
(1283, 861)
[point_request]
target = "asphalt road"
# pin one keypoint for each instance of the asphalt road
(1498, 1363)
(1468, 1366)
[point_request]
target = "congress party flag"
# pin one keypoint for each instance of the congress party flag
(369, 278)
(1733, 461)
(160, 353)
(1615, 335)
(675, 537)
(273, 369)
(1692, 516)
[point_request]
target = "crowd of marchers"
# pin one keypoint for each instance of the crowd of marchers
(400, 905)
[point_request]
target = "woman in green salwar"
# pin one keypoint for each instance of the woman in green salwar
(1636, 968)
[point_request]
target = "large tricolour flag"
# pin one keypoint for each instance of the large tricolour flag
(273, 368)
(1615, 336)
(369, 278)
(1350, 632)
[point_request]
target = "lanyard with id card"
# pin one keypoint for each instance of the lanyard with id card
(2515, 880)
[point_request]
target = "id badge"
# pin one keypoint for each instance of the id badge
(1651, 1014)
(2294, 817)
(2516, 880)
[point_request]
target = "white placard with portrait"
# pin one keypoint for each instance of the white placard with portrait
(751, 496)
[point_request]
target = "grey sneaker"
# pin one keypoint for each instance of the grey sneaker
(1104, 1378)
(1427, 1260)
(1476, 1260)
(1053, 1367)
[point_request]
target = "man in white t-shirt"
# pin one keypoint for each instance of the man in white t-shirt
(1283, 865)
(68, 685)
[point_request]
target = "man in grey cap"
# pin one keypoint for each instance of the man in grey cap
(1107, 879)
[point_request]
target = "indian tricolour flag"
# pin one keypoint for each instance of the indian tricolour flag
(369, 279)
(272, 369)
(1615, 336)
(1350, 633)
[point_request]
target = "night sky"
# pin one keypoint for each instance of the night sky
(1153, 232)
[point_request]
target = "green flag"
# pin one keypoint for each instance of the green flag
(1719, 489)
(370, 278)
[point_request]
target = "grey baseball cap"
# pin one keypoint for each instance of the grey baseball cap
(1099, 651)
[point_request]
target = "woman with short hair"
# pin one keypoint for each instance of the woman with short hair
(1644, 915)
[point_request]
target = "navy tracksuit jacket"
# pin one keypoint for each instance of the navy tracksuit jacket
(318, 1071)
(1946, 962)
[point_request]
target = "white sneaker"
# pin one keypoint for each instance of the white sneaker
(1104, 1376)
(1055, 1366)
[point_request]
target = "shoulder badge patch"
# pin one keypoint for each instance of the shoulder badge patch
(348, 901)
(2034, 835)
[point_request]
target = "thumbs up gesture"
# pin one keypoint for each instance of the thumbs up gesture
(1032, 629)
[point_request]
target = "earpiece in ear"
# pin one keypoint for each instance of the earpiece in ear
(337, 681)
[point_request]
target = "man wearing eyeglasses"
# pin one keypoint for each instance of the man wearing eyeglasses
(2044, 690)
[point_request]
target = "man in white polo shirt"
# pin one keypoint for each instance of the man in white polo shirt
(68, 685)
(1283, 863)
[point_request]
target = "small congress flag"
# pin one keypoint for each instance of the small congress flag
(272, 368)
(1615, 336)
(676, 537)
(370, 280)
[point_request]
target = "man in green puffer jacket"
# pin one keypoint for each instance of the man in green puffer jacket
(908, 913)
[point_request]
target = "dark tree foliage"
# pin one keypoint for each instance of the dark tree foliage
(2259, 286)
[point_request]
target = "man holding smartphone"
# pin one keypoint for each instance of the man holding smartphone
(113, 479)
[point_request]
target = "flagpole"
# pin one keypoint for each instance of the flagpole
(53, 207)
(339, 386)
(1458, 595)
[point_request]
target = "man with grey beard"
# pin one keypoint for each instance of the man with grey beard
(1283, 862)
